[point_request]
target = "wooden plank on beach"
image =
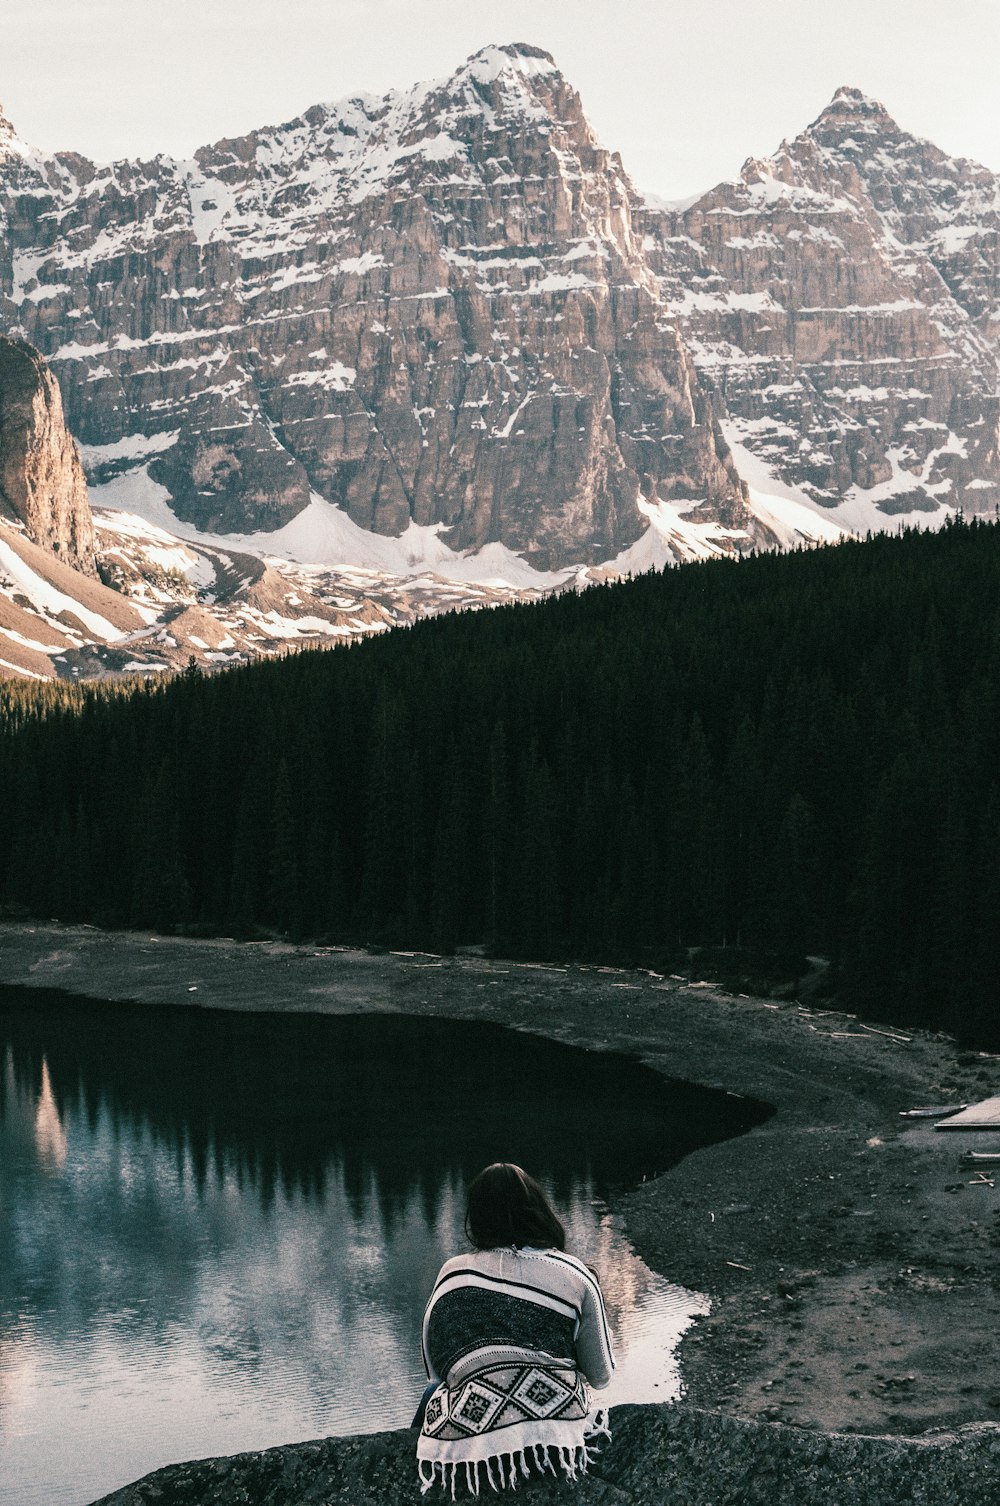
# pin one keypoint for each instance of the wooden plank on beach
(984, 1115)
(939, 1111)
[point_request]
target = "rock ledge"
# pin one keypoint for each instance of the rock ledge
(658, 1454)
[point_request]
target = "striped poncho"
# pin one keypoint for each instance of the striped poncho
(512, 1337)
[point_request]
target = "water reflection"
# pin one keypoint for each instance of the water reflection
(218, 1231)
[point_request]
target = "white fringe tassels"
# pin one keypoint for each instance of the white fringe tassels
(601, 1425)
(573, 1462)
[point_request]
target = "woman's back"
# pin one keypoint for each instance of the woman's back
(512, 1335)
(534, 1302)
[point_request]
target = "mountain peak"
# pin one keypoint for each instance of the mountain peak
(12, 148)
(855, 110)
(521, 57)
(855, 99)
(8, 136)
(509, 66)
(509, 80)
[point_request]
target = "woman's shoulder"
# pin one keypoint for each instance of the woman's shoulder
(562, 1265)
(569, 1268)
(468, 1260)
(549, 1252)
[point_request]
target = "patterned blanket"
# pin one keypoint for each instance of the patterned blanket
(503, 1418)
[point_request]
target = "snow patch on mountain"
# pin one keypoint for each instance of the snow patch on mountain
(795, 517)
(130, 447)
(335, 376)
(18, 577)
(673, 536)
(158, 545)
(323, 535)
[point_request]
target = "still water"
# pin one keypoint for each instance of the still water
(218, 1231)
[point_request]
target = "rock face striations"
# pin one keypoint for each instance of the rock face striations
(842, 299)
(42, 484)
(399, 330)
(431, 307)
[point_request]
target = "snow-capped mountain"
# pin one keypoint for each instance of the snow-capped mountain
(426, 309)
(432, 350)
(842, 299)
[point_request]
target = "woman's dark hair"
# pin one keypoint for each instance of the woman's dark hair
(507, 1207)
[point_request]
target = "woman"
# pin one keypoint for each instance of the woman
(513, 1332)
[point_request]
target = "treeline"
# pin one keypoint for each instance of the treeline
(796, 753)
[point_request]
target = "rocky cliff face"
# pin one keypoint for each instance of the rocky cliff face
(842, 298)
(431, 307)
(448, 314)
(41, 476)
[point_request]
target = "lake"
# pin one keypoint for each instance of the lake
(218, 1231)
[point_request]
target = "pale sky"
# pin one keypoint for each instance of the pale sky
(684, 89)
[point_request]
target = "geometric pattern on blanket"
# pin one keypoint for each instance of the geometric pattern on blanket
(500, 1396)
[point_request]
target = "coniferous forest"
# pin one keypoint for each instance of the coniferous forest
(794, 753)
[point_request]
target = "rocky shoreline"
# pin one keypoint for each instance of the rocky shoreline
(657, 1454)
(851, 1262)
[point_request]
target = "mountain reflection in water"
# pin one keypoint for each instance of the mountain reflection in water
(218, 1231)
